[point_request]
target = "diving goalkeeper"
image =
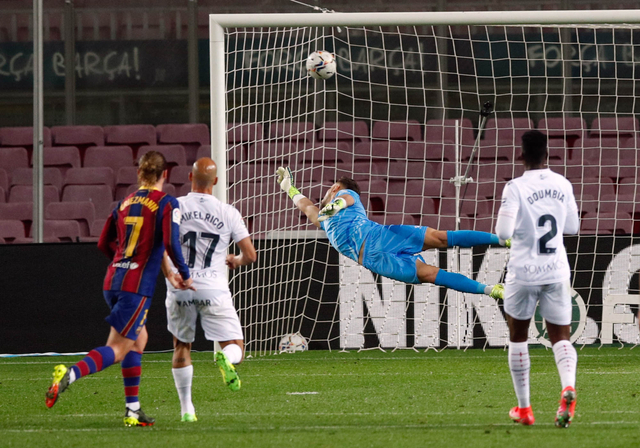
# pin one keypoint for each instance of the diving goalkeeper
(391, 251)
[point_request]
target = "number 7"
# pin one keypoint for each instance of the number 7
(136, 222)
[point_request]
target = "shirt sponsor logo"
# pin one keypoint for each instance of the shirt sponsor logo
(533, 269)
(203, 274)
(195, 302)
(126, 265)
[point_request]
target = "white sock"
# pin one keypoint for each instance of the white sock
(566, 360)
(72, 375)
(519, 364)
(134, 406)
(183, 378)
(233, 353)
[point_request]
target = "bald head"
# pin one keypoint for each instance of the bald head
(204, 175)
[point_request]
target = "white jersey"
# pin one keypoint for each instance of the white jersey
(206, 230)
(540, 201)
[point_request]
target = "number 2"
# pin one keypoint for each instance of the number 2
(544, 239)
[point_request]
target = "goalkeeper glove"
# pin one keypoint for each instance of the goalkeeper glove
(331, 209)
(285, 180)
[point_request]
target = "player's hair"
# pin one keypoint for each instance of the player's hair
(534, 147)
(349, 184)
(150, 168)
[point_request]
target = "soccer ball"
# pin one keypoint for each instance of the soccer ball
(293, 342)
(321, 65)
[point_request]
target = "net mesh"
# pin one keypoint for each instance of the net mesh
(404, 102)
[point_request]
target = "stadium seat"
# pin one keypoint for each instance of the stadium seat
(619, 203)
(100, 195)
(411, 205)
(180, 176)
(381, 150)
(443, 130)
(3, 195)
(601, 223)
(568, 129)
(235, 154)
(558, 151)
(12, 158)
(251, 206)
(131, 135)
(388, 219)
(278, 152)
(190, 136)
(96, 228)
(619, 126)
(332, 153)
(483, 223)
(10, 229)
(402, 170)
(507, 129)
(492, 151)
(587, 203)
(22, 137)
(167, 188)
(82, 212)
(347, 131)
(24, 193)
(64, 230)
(4, 179)
(397, 130)
(183, 190)
(126, 176)
(490, 188)
(24, 176)
(174, 154)
(113, 157)
(300, 133)
(244, 132)
(628, 186)
(63, 158)
(79, 136)
(433, 188)
(90, 176)
(594, 187)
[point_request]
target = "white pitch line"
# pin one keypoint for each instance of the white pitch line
(303, 393)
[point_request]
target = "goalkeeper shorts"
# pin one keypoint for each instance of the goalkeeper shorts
(555, 301)
(218, 316)
(391, 251)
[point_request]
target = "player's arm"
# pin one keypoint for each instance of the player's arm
(171, 237)
(108, 236)
(247, 254)
(284, 177)
(345, 200)
(572, 223)
(506, 223)
(173, 278)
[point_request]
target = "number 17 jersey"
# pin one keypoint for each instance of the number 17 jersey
(207, 227)
(539, 201)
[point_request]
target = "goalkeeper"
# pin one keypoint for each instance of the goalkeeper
(391, 251)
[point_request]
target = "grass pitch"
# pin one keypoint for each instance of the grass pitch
(321, 399)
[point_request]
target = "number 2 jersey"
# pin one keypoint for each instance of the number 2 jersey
(136, 234)
(206, 229)
(543, 206)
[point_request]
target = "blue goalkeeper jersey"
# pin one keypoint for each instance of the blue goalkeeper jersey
(348, 229)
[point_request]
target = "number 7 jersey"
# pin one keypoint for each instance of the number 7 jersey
(540, 201)
(206, 230)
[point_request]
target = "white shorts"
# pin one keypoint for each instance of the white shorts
(555, 301)
(218, 316)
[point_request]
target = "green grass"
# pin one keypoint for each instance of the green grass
(452, 399)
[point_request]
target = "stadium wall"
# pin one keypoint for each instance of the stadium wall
(52, 298)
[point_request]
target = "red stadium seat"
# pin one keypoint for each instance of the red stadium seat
(628, 186)
(388, 219)
(131, 135)
(113, 157)
(174, 154)
(244, 132)
(443, 130)
(90, 176)
(397, 130)
(180, 175)
(24, 193)
(507, 129)
(82, 212)
(79, 136)
(183, 190)
(100, 195)
(594, 187)
(567, 128)
(619, 203)
(606, 223)
(126, 176)
(347, 131)
(332, 153)
(301, 133)
(492, 151)
(12, 158)
(65, 230)
(587, 203)
(189, 136)
(558, 151)
(24, 176)
(411, 205)
(282, 153)
(63, 158)
(619, 126)
(4, 179)
(96, 227)
(22, 137)
(10, 229)
(382, 150)
(402, 170)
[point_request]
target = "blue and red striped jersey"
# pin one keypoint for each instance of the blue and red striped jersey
(136, 234)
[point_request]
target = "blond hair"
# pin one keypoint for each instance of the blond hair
(150, 168)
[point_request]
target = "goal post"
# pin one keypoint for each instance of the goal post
(402, 116)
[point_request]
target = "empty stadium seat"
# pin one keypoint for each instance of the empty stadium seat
(24, 193)
(64, 230)
(126, 176)
(90, 176)
(408, 130)
(333, 152)
(279, 152)
(96, 228)
(24, 176)
(388, 219)
(21, 211)
(82, 212)
(415, 206)
(131, 135)
(244, 132)
(190, 136)
(100, 195)
(174, 154)
(558, 151)
(4, 179)
(443, 130)
(596, 187)
(10, 229)
(113, 157)
(12, 158)
(301, 133)
(492, 151)
(180, 175)
(79, 136)
(235, 154)
(63, 158)
(22, 137)
(567, 128)
(601, 223)
(619, 126)
(507, 129)
(619, 203)
(346, 131)
(628, 186)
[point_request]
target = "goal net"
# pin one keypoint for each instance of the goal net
(402, 116)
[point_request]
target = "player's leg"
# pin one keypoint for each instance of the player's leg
(455, 281)
(439, 239)
(555, 307)
(519, 304)
(131, 373)
(182, 370)
(234, 350)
